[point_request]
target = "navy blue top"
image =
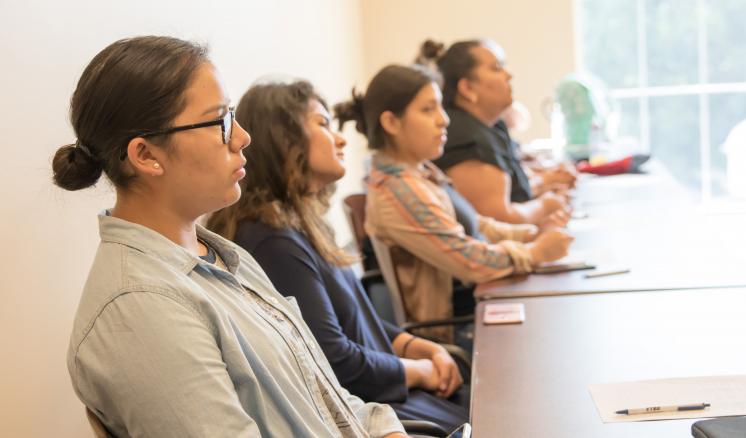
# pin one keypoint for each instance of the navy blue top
(470, 139)
(336, 308)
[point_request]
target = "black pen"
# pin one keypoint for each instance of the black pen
(656, 409)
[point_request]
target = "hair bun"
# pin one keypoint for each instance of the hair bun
(430, 51)
(75, 167)
(352, 109)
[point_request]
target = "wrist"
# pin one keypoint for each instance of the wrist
(547, 204)
(436, 350)
(413, 375)
(407, 345)
(418, 348)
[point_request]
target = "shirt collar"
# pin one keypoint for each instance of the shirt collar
(386, 166)
(146, 240)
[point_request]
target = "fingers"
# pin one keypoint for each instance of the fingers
(564, 244)
(560, 236)
(551, 245)
(444, 371)
(455, 381)
(551, 202)
(531, 233)
(564, 218)
(558, 218)
(525, 232)
(450, 377)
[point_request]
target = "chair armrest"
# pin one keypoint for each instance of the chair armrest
(409, 326)
(371, 275)
(422, 427)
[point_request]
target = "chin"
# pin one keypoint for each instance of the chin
(232, 197)
(333, 175)
(436, 153)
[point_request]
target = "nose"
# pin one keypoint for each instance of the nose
(443, 120)
(339, 141)
(240, 139)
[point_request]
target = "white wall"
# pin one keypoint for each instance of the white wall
(537, 36)
(48, 236)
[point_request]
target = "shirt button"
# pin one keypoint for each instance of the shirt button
(273, 300)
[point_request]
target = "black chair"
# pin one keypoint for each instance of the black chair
(412, 427)
(388, 270)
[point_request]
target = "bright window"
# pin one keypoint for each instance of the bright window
(677, 71)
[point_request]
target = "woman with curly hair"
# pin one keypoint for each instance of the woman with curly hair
(295, 159)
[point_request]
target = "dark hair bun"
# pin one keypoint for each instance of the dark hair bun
(352, 110)
(430, 51)
(75, 169)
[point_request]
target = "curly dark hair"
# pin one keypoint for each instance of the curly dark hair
(276, 188)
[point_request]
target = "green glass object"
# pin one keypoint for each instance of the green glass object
(581, 98)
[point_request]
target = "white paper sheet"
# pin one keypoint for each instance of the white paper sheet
(726, 395)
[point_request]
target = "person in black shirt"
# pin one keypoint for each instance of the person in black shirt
(480, 156)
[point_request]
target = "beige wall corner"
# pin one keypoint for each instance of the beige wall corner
(537, 36)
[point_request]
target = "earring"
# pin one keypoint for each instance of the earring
(156, 165)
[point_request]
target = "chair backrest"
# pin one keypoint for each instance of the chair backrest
(99, 430)
(354, 208)
(388, 269)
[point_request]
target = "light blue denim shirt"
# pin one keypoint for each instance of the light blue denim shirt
(165, 344)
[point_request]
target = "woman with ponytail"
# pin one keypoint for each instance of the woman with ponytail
(179, 333)
(297, 158)
(408, 205)
(479, 156)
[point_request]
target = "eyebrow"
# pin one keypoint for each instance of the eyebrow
(322, 115)
(216, 107)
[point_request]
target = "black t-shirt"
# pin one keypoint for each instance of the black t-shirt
(470, 139)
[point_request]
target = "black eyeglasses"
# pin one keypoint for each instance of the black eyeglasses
(225, 122)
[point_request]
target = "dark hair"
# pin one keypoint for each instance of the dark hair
(430, 51)
(391, 89)
(276, 188)
(133, 86)
(454, 64)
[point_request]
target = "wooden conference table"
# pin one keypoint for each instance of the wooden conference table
(685, 317)
(667, 242)
(531, 379)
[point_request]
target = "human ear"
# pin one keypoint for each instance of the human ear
(144, 157)
(465, 90)
(390, 123)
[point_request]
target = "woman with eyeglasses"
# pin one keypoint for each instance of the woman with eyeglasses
(408, 206)
(279, 220)
(178, 331)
